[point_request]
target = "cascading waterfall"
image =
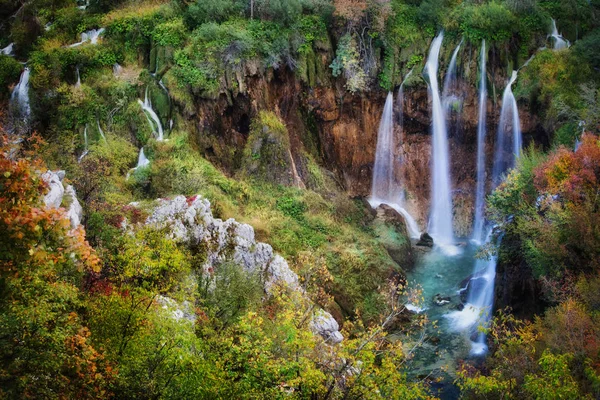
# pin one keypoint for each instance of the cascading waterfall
(142, 163)
(152, 117)
(481, 286)
(85, 141)
(440, 222)
(481, 130)
(559, 42)
(100, 131)
(117, 69)
(385, 187)
(142, 160)
(449, 94)
(19, 99)
(8, 50)
(92, 36)
(509, 140)
(78, 83)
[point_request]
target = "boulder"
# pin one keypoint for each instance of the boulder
(426, 240)
(53, 198)
(391, 228)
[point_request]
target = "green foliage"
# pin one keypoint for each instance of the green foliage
(10, 69)
(490, 21)
(171, 33)
(229, 292)
(347, 61)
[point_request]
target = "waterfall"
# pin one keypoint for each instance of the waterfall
(142, 160)
(385, 188)
(507, 150)
(383, 185)
(92, 36)
(449, 96)
(481, 130)
(78, 83)
(142, 163)
(117, 69)
(8, 50)
(151, 116)
(100, 131)
(85, 149)
(440, 222)
(19, 99)
(559, 42)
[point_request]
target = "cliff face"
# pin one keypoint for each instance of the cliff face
(339, 129)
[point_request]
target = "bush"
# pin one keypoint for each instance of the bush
(10, 70)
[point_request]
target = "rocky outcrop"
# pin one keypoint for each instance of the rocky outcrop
(190, 222)
(58, 197)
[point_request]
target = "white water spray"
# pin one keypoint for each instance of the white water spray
(481, 130)
(151, 116)
(440, 222)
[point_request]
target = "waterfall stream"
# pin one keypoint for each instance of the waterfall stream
(19, 107)
(152, 117)
(508, 140)
(450, 96)
(92, 36)
(559, 42)
(386, 188)
(440, 221)
(85, 141)
(8, 50)
(78, 82)
(481, 130)
(100, 131)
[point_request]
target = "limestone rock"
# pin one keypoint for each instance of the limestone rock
(326, 326)
(56, 195)
(190, 222)
(54, 180)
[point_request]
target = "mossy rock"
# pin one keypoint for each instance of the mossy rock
(267, 153)
(390, 227)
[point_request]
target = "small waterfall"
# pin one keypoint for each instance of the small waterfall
(559, 42)
(100, 131)
(480, 301)
(85, 149)
(8, 50)
(78, 83)
(440, 222)
(509, 140)
(481, 130)
(92, 36)
(449, 94)
(19, 99)
(385, 187)
(142, 160)
(151, 116)
(117, 69)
